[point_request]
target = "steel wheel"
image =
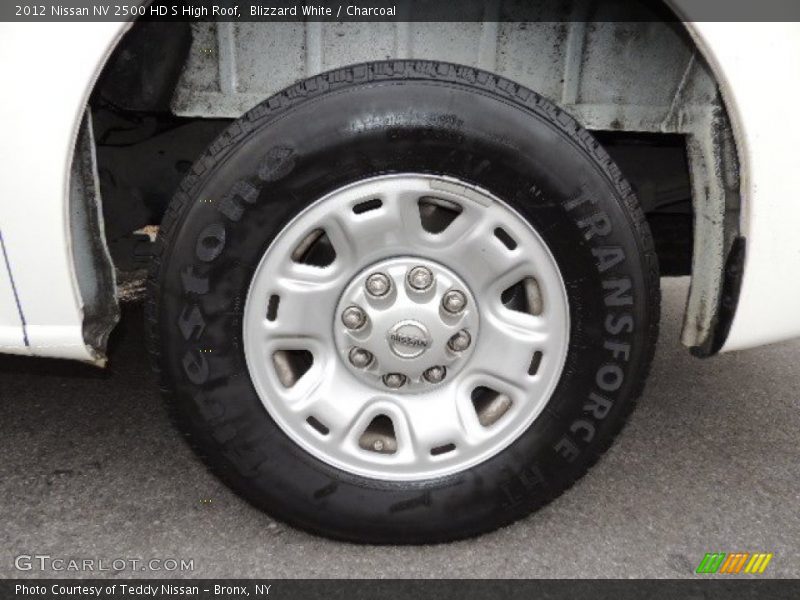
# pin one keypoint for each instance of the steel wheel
(406, 327)
(403, 302)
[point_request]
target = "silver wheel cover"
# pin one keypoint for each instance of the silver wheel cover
(406, 395)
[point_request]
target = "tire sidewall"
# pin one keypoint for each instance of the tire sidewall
(272, 165)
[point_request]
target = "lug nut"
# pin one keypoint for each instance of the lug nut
(378, 284)
(435, 374)
(454, 301)
(460, 341)
(420, 278)
(394, 380)
(360, 358)
(353, 317)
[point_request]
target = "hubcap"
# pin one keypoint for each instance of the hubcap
(406, 327)
(408, 331)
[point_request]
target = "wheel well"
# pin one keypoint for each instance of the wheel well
(642, 87)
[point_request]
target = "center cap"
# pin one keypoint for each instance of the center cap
(406, 324)
(408, 339)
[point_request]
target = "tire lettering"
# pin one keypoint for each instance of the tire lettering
(567, 449)
(582, 198)
(277, 163)
(230, 205)
(521, 485)
(597, 225)
(618, 288)
(210, 242)
(616, 324)
(195, 366)
(598, 406)
(583, 425)
(609, 378)
(607, 257)
(191, 323)
(210, 407)
(193, 283)
(619, 350)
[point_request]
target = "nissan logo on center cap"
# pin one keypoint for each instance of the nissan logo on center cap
(408, 339)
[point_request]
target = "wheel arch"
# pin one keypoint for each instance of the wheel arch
(715, 152)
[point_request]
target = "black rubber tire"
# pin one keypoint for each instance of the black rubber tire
(361, 121)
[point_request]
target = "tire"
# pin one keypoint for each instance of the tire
(372, 120)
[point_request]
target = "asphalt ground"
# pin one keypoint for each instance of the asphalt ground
(92, 468)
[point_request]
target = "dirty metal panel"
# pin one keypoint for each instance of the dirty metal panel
(608, 73)
(533, 53)
(351, 43)
(626, 76)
